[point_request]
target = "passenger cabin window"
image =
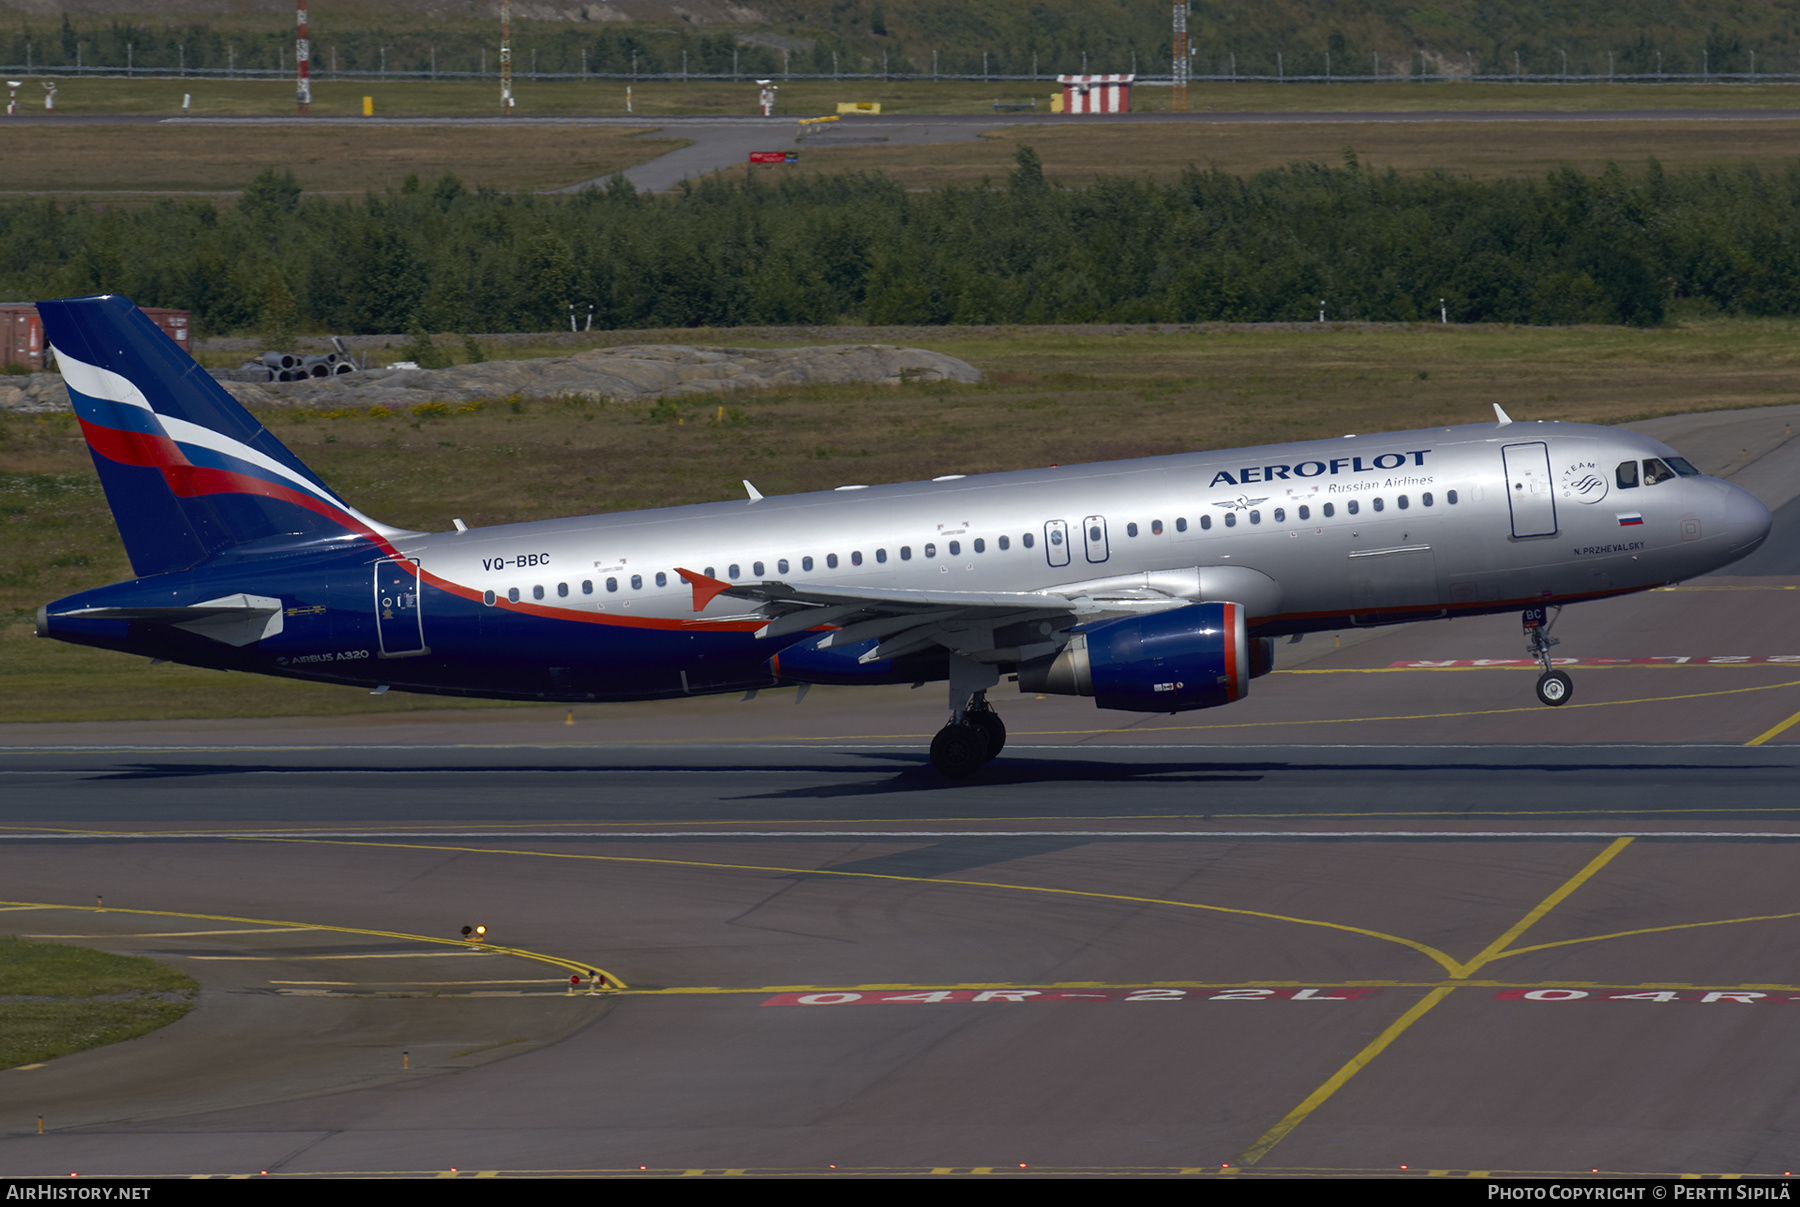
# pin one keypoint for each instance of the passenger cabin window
(537, 593)
(781, 566)
(1425, 498)
(980, 545)
(1231, 519)
(1131, 529)
(1353, 506)
(711, 573)
(856, 557)
(1028, 540)
(637, 582)
(1281, 515)
(512, 595)
(487, 597)
(831, 561)
(906, 553)
(756, 569)
(1181, 524)
(1402, 502)
(955, 548)
(806, 564)
(1005, 544)
(587, 586)
(731, 571)
(1256, 517)
(1450, 497)
(1205, 521)
(612, 584)
(1305, 512)
(1330, 510)
(1155, 527)
(881, 556)
(662, 579)
(930, 550)
(1379, 505)
(562, 590)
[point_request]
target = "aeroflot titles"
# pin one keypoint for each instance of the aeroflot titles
(1312, 469)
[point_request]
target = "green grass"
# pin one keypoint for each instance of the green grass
(59, 1015)
(807, 96)
(1063, 395)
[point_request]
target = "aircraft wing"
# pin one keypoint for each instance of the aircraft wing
(906, 620)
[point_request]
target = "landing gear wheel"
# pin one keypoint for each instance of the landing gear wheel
(993, 730)
(1554, 688)
(958, 751)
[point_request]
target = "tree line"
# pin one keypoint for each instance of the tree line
(1620, 246)
(1347, 38)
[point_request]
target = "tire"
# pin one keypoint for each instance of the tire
(1554, 688)
(958, 751)
(993, 730)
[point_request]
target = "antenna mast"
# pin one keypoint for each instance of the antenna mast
(302, 60)
(506, 96)
(1181, 57)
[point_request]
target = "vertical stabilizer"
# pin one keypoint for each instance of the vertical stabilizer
(188, 472)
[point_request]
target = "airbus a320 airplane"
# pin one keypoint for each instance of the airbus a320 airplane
(1154, 585)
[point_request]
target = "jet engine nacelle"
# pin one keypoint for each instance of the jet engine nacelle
(1199, 656)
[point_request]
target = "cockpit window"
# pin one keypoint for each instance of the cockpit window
(1627, 475)
(1655, 471)
(1682, 466)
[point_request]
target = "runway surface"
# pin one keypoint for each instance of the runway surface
(1388, 912)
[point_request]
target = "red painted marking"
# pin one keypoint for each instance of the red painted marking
(936, 997)
(1231, 668)
(705, 589)
(1744, 997)
(1662, 660)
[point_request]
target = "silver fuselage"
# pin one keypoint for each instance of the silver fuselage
(1467, 519)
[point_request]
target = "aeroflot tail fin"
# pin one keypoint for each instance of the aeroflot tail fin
(189, 473)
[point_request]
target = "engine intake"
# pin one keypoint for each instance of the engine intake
(1199, 656)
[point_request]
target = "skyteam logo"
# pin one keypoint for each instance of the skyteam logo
(1582, 482)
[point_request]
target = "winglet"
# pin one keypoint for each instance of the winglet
(755, 494)
(1501, 415)
(705, 589)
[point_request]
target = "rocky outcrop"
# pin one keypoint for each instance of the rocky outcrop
(603, 374)
(40, 393)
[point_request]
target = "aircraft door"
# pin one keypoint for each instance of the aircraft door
(1093, 528)
(399, 620)
(1528, 489)
(1056, 542)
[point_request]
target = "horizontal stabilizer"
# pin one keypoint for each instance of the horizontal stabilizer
(231, 619)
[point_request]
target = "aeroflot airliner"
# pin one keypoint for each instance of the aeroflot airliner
(1154, 585)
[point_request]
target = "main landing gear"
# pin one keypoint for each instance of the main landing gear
(1553, 687)
(975, 733)
(968, 741)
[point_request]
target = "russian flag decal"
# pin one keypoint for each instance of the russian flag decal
(1629, 519)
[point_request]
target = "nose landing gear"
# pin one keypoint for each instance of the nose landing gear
(1554, 687)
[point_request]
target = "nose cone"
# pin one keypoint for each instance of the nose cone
(1746, 521)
